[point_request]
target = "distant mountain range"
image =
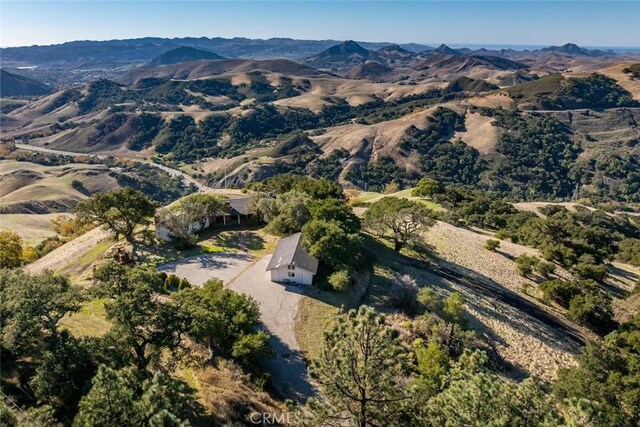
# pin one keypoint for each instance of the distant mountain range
(143, 50)
(73, 63)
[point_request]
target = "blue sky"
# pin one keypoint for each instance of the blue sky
(588, 23)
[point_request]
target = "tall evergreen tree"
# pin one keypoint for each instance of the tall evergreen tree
(358, 370)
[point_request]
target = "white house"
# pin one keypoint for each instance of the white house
(239, 210)
(291, 263)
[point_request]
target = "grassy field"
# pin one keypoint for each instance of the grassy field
(372, 196)
(315, 316)
(90, 321)
(33, 228)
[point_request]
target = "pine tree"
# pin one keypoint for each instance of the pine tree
(358, 372)
(110, 402)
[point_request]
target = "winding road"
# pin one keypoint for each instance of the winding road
(173, 172)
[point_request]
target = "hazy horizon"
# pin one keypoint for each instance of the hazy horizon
(434, 44)
(493, 23)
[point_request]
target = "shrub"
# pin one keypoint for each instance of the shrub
(427, 187)
(172, 282)
(69, 227)
(183, 243)
(78, 186)
(593, 308)
(492, 245)
(47, 245)
(525, 264)
(545, 269)
(403, 293)
(183, 284)
(560, 254)
(429, 299)
(590, 271)
(29, 254)
(340, 280)
(560, 291)
(10, 249)
(629, 251)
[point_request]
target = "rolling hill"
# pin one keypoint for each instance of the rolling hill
(16, 85)
(378, 124)
(373, 71)
(184, 54)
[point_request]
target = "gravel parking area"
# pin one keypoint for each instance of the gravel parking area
(198, 269)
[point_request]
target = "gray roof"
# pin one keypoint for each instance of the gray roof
(242, 206)
(290, 252)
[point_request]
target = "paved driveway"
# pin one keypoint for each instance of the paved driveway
(278, 307)
(198, 269)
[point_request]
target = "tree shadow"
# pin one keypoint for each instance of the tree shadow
(217, 261)
(288, 369)
(506, 255)
(620, 282)
(507, 305)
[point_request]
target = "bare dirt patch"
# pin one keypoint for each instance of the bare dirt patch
(480, 133)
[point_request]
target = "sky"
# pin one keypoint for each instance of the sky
(516, 22)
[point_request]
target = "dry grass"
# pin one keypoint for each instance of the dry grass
(623, 79)
(355, 92)
(319, 310)
(26, 183)
(33, 228)
(313, 319)
(493, 100)
(521, 340)
(480, 133)
(227, 394)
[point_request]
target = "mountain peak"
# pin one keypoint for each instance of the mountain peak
(346, 48)
(184, 54)
(569, 48)
(446, 50)
(393, 48)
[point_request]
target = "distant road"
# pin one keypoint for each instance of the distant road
(579, 110)
(173, 172)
